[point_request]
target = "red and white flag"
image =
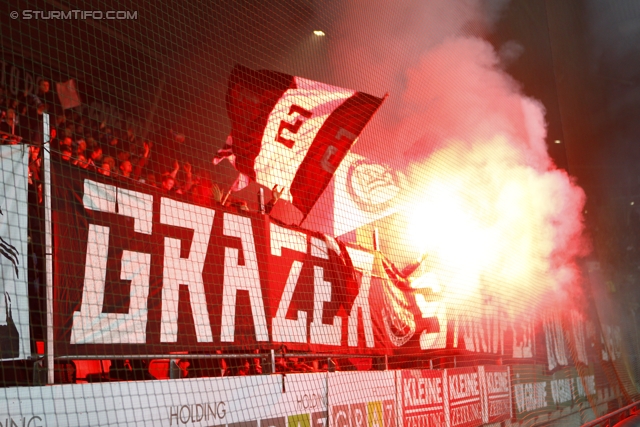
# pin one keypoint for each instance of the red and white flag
(290, 131)
(68, 94)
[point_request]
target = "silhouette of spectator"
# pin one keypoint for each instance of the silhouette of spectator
(168, 183)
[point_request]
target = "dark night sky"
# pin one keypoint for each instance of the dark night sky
(595, 55)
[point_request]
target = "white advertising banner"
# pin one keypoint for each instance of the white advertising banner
(251, 401)
(362, 399)
(305, 403)
(423, 397)
(495, 384)
(464, 398)
(14, 294)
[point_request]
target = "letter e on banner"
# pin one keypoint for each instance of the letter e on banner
(283, 329)
(292, 127)
(321, 333)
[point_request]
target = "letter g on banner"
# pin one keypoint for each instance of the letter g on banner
(90, 324)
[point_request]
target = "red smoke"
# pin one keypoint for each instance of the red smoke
(486, 204)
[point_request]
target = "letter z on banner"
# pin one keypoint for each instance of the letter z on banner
(14, 297)
(292, 132)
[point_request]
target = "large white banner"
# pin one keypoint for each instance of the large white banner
(14, 296)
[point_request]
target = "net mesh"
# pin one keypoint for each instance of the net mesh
(294, 213)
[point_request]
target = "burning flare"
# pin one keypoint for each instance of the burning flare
(494, 227)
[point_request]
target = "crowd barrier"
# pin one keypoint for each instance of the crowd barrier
(458, 397)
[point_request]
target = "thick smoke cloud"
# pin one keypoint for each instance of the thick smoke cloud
(487, 206)
(377, 42)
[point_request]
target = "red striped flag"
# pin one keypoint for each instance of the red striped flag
(292, 132)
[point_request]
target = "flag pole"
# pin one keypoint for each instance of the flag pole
(304, 217)
(226, 196)
(48, 246)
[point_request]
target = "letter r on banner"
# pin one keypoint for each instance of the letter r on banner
(180, 271)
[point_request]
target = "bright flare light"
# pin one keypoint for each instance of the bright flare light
(319, 33)
(493, 226)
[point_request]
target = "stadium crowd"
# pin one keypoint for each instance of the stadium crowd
(96, 146)
(119, 153)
